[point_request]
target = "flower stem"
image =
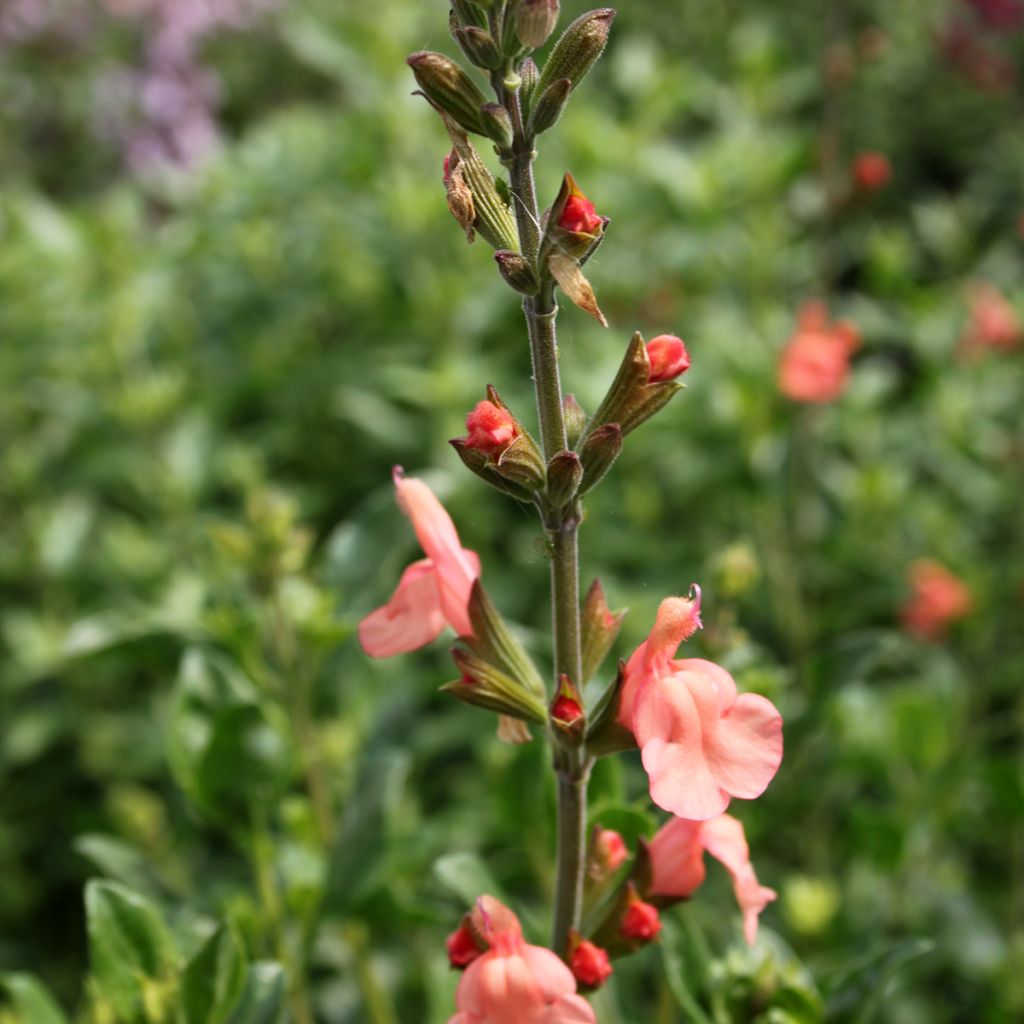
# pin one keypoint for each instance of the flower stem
(572, 767)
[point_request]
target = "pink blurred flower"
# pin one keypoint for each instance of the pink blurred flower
(677, 864)
(999, 14)
(514, 982)
(433, 592)
(993, 322)
(871, 171)
(701, 742)
(815, 364)
(938, 599)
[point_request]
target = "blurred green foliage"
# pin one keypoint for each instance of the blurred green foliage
(208, 377)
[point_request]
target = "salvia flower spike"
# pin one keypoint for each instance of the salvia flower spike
(702, 742)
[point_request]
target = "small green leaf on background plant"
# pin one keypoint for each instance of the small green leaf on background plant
(32, 1003)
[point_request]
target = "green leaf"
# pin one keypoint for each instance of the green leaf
(33, 1004)
(361, 851)
(863, 983)
(214, 979)
(684, 970)
(228, 748)
(465, 875)
(117, 860)
(128, 945)
(263, 996)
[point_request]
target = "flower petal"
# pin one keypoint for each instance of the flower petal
(724, 839)
(670, 720)
(411, 618)
(746, 748)
(457, 568)
(568, 1010)
(725, 685)
(677, 859)
(550, 972)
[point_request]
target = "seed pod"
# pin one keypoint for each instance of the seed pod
(577, 51)
(565, 471)
(448, 87)
(517, 272)
(492, 217)
(600, 449)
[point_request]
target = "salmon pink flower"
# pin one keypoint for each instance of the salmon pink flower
(433, 592)
(701, 742)
(815, 364)
(939, 598)
(668, 357)
(514, 982)
(677, 864)
(993, 321)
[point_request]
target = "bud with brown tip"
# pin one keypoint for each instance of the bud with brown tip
(535, 21)
(579, 48)
(448, 87)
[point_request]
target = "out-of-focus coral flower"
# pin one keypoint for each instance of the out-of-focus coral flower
(701, 742)
(815, 364)
(871, 171)
(514, 982)
(993, 322)
(938, 599)
(999, 14)
(668, 356)
(976, 58)
(433, 592)
(677, 864)
(490, 429)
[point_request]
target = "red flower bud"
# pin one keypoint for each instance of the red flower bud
(641, 921)
(566, 710)
(462, 946)
(589, 963)
(668, 357)
(871, 171)
(580, 217)
(491, 429)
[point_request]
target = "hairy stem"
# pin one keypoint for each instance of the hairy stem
(561, 525)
